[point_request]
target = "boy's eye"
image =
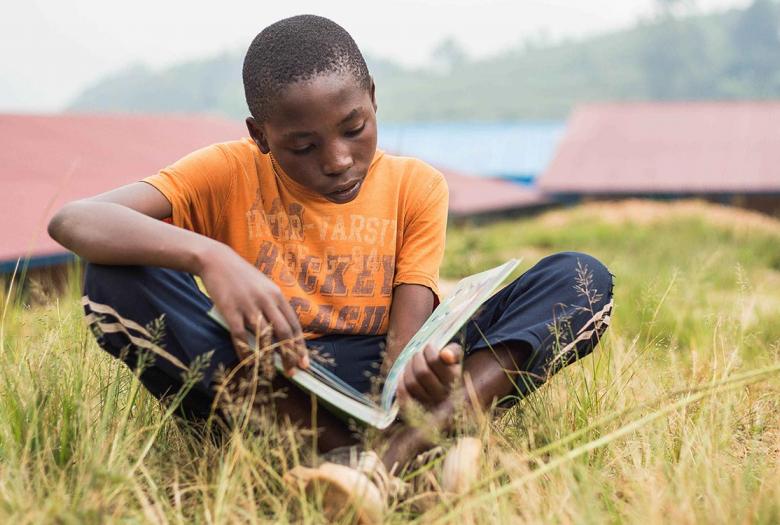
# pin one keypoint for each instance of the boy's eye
(302, 151)
(356, 131)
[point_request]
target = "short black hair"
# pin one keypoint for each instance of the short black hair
(295, 49)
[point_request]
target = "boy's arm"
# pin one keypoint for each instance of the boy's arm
(430, 375)
(410, 307)
(122, 227)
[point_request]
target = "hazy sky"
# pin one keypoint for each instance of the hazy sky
(51, 49)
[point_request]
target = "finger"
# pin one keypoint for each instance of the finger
(289, 357)
(289, 348)
(297, 333)
(452, 354)
(281, 327)
(446, 373)
(428, 380)
(303, 356)
(295, 353)
(238, 333)
(241, 348)
(401, 394)
(273, 326)
(414, 389)
(261, 328)
(266, 338)
(289, 314)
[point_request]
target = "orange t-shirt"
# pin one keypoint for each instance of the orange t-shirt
(337, 264)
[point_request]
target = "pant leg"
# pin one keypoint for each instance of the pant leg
(122, 303)
(135, 310)
(559, 309)
(355, 359)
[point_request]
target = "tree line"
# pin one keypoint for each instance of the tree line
(671, 56)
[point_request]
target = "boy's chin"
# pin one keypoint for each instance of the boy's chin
(346, 196)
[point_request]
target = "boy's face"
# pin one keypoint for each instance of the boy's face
(322, 132)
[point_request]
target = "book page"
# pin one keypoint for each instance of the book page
(438, 330)
(322, 375)
(446, 320)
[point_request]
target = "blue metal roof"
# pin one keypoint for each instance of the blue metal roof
(514, 150)
(9, 266)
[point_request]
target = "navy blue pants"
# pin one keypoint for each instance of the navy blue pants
(557, 310)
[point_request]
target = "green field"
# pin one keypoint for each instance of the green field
(675, 419)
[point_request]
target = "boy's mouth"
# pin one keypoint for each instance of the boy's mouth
(345, 193)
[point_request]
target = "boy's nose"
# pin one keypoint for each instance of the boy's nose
(336, 161)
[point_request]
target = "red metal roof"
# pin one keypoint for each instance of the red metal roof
(48, 160)
(654, 147)
(474, 195)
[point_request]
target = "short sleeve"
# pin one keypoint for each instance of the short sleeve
(197, 186)
(425, 227)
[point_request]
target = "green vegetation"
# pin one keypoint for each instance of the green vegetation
(675, 418)
(732, 55)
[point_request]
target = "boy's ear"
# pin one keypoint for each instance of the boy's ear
(372, 92)
(258, 134)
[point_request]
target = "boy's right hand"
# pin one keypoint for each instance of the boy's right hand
(249, 301)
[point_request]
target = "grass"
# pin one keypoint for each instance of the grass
(676, 418)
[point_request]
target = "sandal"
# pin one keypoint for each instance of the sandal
(349, 480)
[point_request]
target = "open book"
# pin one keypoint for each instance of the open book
(443, 324)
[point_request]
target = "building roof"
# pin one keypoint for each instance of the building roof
(668, 148)
(476, 195)
(48, 160)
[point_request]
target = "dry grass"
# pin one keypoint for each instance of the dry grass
(675, 419)
(646, 213)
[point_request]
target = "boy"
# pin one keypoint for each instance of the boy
(308, 230)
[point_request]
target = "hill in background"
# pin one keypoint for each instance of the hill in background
(729, 55)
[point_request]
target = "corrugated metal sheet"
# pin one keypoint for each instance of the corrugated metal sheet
(668, 148)
(48, 160)
(475, 195)
(513, 150)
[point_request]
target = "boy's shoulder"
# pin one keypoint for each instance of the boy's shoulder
(414, 184)
(243, 150)
(410, 170)
(218, 157)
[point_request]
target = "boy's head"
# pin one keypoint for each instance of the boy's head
(312, 104)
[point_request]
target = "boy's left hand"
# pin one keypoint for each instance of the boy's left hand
(431, 374)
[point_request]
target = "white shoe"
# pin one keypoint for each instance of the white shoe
(437, 475)
(361, 486)
(461, 466)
